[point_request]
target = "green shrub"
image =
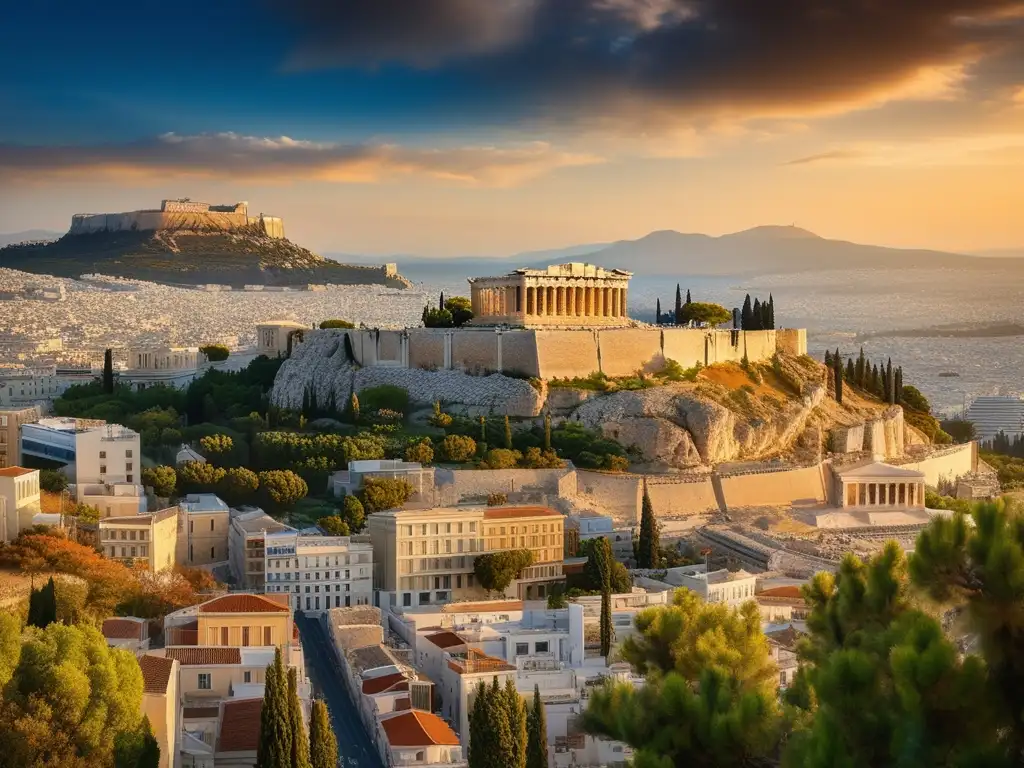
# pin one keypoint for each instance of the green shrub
(333, 525)
(421, 452)
(162, 480)
(380, 493)
(354, 513)
(283, 487)
(53, 480)
(386, 396)
(496, 499)
(501, 458)
(215, 352)
(673, 371)
(458, 448)
(336, 324)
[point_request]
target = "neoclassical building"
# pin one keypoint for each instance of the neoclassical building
(562, 295)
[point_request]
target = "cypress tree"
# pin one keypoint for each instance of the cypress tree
(440, 304)
(688, 296)
(483, 429)
(648, 549)
(755, 316)
(860, 369)
(746, 315)
(898, 388)
(423, 317)
(480, 747)
(890, 394)
(679, 306)
(499, 721)
(323, 746)
(851, 373)
(657, 312)
(42, 605)
(537, 740)
(771, 312)
(516, 709)
(828, 358)
(876, 381)
(547, 430)
(602, 553)
(354, 402)
(274, 749)
(837, 365)
(108, 371)
(300, 744)
(766, 324)
(508, 434)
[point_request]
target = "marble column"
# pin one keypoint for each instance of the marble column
(590, 301)
(572, 301)
(625, 302)
(615, 302)
(598, 302)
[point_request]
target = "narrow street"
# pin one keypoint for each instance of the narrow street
(355, 748)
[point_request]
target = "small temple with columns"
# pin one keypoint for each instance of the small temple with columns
(562, 295)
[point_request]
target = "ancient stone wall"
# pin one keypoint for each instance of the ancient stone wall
(146, 221)
(519, 353)
(457, 484)
(624, 351)
(672, 497)
(563, 354)
(475, 351)
(792, 341)
(611, 494)
(684, 346)
(946, 465)
(803, 486)
(426, 348)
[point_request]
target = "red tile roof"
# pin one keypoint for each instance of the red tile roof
(418, 729)
(156, 673)
(240, 726)
(504, 513)
(15, 471)
(790, 590)
(382, 683)
(124, 629)
(203, 656)
(243, 603)
(446, 640)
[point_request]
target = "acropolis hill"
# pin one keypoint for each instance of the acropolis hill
(192, 243)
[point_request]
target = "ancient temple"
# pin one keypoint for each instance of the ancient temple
(562, 295)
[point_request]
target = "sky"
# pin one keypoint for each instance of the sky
(486, 127)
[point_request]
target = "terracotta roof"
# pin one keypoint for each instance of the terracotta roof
(418, 729)
(380, 684)
(15, 471)
(204, 656)
(243, 603)
(787, 637)
(505, 513)
(446, 640)
(484, 607)
(124, 629)
(789, 590)
(156, 673)
(474, 661)
(196, 713)
(240, 726)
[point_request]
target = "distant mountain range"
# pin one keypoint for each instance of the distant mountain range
(28, 236)
(762, 250)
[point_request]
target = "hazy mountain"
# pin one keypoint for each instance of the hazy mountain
(761, 250)
(29, 235)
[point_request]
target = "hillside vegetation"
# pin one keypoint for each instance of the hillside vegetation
(190, 258)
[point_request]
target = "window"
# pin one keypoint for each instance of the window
(522, 649)
(245, 638)
(247, 676)
(424, 597)
(205, 683)
(128, 453)
(211, 525)
(133, 552)
(266, 635)
(103, 469)
(541, 647)
(103, 455)
(128, 467)
(223, 635)
(406, 599)
(213, 551)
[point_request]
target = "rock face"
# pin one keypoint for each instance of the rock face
(320, 366)
(681, 429)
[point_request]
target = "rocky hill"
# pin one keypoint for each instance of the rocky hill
(186, 257)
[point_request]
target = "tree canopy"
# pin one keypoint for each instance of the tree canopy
(700, 312)
(496, 570)
(380, 493)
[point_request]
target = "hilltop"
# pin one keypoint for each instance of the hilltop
(243, 256)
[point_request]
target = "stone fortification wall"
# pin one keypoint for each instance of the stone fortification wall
(319, 364)
(457, 484)
(945, 465)
(611, 494)
(884, 436)
(621, 495)
(802, 486)
(146, 221)
(549, 354)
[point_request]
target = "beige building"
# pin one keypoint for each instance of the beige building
(151, 538)
(272, 336)
(318, 572)
(213, 673)
(562, 295)
(10, 433)
(114, 499)
(207, 530)
(236, 620)
(426, 556)
(106, 455)
(247, 546)
(127, 632)
(160, 705)
(19, 500)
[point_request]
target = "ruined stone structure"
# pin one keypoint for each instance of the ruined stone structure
(563, 295)
(178, 215)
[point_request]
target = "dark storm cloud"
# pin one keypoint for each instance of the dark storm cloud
(700, 53)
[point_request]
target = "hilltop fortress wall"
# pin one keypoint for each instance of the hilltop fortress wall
(548, 354)
(176, 220)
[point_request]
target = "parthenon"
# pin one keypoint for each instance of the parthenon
(881, 485)
(562, 295)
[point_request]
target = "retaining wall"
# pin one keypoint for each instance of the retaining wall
(947, 465)
(802, 486)
(460, 483)
(621, 495)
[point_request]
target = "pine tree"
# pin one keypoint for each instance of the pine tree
(746, 315)
(300, 744)
(108, 371)
(679, 306)
(547, 430)
(508, 434)
(649, 545)
(755, 316)
(837, 363)
(771, 312)
(657, 312)
(688, 301)
(323, 746)
(274, 749)
(516, 709)
(537, 739)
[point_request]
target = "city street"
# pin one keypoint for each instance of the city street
(355, 748)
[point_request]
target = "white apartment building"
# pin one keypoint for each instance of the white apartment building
(319, 572)
(107, 455)
(21, 387)
(246, 545)
(19, 500)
